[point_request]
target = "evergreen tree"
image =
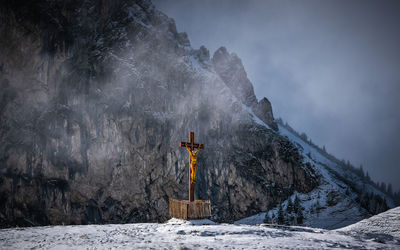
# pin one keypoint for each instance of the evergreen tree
(330, 199)
(389, 189)
(397, 197)
(317, 207)
(299, 216)
(303, 136)
(367, 177)
(289, 207)
(296, 205)
(373, 204)
(281, 217)
(290, 219)
(267, 219)
(384, 206)
(361, 171)
(364, 200)
(383, 187)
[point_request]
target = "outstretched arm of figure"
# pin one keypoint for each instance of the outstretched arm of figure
(197, 150)
(187, 148)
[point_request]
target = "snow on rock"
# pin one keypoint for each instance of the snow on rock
(320, 209)
(254, 117)
(344, 210)
(185, 234)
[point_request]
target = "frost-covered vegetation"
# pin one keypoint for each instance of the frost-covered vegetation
(292, 214)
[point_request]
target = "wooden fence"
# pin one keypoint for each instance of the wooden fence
(196, 210)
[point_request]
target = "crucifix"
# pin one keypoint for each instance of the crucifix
(191, 146)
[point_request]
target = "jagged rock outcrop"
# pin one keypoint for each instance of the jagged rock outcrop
(263, 109)
(202, 55)
(230, 68)
(96, 95)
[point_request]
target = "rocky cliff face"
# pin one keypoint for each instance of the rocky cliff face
(230, 68)
(96, 95)
(263, 110)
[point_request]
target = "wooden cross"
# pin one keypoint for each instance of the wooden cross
(191, 145)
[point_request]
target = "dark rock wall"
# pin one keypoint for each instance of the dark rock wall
(96, 95)
(263, 109)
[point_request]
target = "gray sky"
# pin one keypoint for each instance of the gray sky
(331, 69)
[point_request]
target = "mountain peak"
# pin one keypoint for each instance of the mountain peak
(230, 68)
(263, 109)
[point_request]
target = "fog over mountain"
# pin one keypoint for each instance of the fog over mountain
(95, 96)
(329, 68)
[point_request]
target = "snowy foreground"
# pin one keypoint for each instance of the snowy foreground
(378, 232)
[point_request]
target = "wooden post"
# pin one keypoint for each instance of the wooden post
(191, 185)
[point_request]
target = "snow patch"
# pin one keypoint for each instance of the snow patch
(384, 226)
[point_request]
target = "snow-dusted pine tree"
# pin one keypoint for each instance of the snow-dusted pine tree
(281, 217)
(289, 207)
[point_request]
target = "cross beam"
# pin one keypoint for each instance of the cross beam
(192, 146)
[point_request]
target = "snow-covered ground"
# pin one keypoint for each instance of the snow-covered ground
(385, 226)
(378, 232)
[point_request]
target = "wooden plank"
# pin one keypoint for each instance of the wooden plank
(199, 209)
(195, 145)
(191, 137)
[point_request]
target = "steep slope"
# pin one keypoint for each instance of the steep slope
(96, 95)
(384, 227)
(335, 202)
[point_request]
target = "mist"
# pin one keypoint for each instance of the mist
(331, 69)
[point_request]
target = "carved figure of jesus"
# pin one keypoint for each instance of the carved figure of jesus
(193, 162)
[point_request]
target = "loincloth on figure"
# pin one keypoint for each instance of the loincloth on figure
(193, 169)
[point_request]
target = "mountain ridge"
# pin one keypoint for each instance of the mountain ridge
(95, 98)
